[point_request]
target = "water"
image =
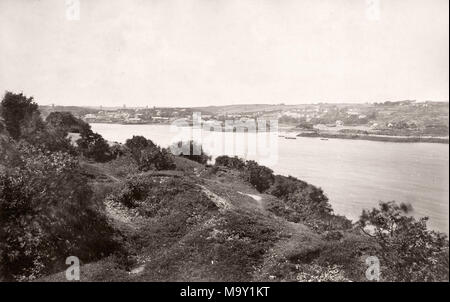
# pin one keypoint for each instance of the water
(354, 174)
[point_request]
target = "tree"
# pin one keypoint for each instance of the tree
(260, 177)
(17, 110)
(93, 145)
(65, 121)
(137, 144)
(155, 158)
(230, 162)
(408, 250)
(2, 125)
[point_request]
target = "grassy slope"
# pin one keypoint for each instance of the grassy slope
(206, 228)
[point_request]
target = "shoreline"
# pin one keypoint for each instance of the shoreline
(368, 137)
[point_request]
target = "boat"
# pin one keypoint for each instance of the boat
(324, 139)
(290, 137)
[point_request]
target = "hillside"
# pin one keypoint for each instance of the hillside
(208, 225)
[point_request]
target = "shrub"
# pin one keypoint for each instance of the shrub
(66, 122)
(49, 138)
(118, 150)
(46, 214)
(17, 111)
(155, 158)
(348, 251)
(230, 162)
(310, 204)
(137, 144)
(409, 251)
(8, 151)
(284, 186)
(155, 197)
(259, 176)
(93, 145)
(135, 189)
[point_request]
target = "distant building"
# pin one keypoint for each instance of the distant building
(90, 118)
(353, 112)
(160, 118)
(134, 120)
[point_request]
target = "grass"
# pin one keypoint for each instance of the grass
(184, 236)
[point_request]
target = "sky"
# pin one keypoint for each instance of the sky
(221, 52)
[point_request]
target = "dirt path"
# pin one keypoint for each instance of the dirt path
(257, 198)
(220, 202)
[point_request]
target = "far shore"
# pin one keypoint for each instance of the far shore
(379, 138)
(324, 134)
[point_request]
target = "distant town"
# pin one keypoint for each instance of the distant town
(402, 118)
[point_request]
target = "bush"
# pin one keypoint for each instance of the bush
(230, 162)
(155, 158)
(17, 111)
(409, 251)
(156, 198)
(137, 144)
(66, 122)
(348, 252)
(259, 176)
(309, 203)
(8, 151)
(46, 215)
(135, 189)
(284, 186)
(93, 146)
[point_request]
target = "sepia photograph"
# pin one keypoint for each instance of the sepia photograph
(226, 147)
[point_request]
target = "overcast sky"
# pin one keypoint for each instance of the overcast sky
(217, 52)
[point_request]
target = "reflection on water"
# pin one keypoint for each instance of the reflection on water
(355, 174)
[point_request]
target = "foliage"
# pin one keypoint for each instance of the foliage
(118, 150)
(308, 203)
(93, 145)
(155, 158)
(230, 162)
(8, 151)
(408, 250)
(23, 122)
(46, 215)
(66, 122)
(138, 142)
(90, 144)
(149, 156)
(17, 110)
(48, 138)
(259, 176)
(154, 196)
